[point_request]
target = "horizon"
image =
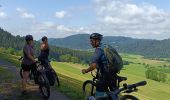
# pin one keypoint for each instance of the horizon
(146, 19)
(89, 34)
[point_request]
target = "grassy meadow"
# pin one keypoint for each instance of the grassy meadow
(72, 79)
(135, 72)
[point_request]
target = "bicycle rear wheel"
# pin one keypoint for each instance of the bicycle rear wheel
(89, 89)
(20, 72)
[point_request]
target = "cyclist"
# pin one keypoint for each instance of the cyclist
(106, 78)
(43, 57)
(28, 62)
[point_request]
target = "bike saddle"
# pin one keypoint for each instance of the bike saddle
(120, 79)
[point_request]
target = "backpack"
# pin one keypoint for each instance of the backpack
(114, 60)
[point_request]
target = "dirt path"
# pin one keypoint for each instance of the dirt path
(10, 89)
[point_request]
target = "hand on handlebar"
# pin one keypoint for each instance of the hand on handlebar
(84, 71)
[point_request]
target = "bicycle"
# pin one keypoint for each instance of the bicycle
(111, 95)
(57, 83)
(126, 88)
(41, 79)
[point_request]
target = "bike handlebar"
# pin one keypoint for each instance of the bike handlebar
(131, 86)
(125, 87)
(21, 58)
(142, 83)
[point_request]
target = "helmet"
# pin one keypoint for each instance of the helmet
(43, 38)
(28, 37)
(96, 36)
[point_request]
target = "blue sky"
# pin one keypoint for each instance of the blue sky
(61, 18)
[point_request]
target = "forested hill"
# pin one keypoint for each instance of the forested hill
(7, 40)
(145, 47)
(16, 43)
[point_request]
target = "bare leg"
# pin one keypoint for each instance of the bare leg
(24, 80)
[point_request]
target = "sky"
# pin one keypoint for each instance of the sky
(148, 19)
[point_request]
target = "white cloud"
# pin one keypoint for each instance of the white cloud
(2, 14)
(113, 17)
(27, 15)
(20, 9)
(24, 14)
(61, 14)
(121, 17)
(64, 29)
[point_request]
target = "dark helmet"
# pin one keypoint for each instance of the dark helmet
(96, 36)
(28, 37)
(43, 38)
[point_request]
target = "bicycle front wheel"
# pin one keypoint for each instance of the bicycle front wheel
(128, 97)
(88, 88)
(44, 86)
(20, 72)
(57, 80)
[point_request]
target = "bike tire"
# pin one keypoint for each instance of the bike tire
(128, 97)
(87, 93)
(57, 80)
(20, 72)
(44, 85)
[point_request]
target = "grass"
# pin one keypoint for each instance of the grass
(10, 58)
(135, 73)
(71, 78)
(70, 87)
(5, 76)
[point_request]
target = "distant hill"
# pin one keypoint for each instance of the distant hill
(145, 47)
(79, 41)
(7, 40)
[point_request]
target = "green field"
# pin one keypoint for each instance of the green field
(135, 72)
(72, 79)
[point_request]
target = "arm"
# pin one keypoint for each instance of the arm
(94, 63)
(91, 68)
(43, 46)
(31, 57)
(28, 53)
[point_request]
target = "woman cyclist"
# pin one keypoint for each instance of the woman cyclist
(28, 62)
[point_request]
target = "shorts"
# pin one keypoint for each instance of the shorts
(27, 67)
(106, 81)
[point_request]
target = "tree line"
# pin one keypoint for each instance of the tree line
(14, 44)
(156, 74)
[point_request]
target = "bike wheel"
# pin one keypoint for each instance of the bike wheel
(20, 72)
(88, 88)
(128, 97)
(57, 80)
(44, 86)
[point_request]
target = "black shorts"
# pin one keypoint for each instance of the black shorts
(107, 81)
(27, 67)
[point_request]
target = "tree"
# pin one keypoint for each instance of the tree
(147, 73)
(65, 58)
(162, 76)
(75, 60)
